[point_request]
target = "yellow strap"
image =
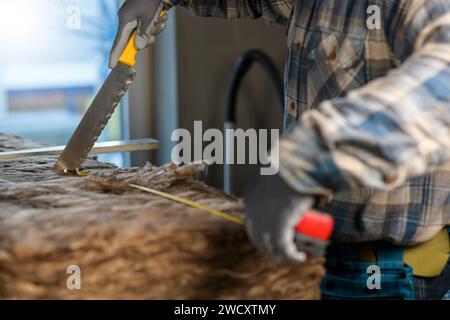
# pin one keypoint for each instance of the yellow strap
(429, 259)
(190, 203)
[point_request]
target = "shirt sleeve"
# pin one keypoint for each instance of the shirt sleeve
(392, 129)
(277, 11)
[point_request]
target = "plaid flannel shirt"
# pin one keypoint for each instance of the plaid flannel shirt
(368, 109)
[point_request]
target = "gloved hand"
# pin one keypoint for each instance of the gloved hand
(273, 210)
(143, 15)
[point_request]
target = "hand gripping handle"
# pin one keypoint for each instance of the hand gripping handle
(128, 56)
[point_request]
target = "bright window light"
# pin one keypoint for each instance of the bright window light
(22, 24)
(51, 66)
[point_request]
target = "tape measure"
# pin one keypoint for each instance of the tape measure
(192, 204)
(313, 224)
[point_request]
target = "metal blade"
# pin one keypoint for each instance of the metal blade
(99, 148)
(95, 119)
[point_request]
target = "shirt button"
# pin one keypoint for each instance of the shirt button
(390, 179)
(293, 106)
(332, 56)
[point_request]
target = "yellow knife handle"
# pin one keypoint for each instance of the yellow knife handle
(130, 52)
(128, 56)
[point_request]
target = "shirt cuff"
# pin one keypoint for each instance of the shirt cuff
(307, 165)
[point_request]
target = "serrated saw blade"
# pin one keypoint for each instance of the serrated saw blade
(95, 119)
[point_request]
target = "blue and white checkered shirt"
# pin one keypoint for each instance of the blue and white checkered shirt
(367, 107)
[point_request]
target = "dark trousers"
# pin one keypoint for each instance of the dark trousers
(433, 288)
(346, 276)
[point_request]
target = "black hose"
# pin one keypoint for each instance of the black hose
(241, 68)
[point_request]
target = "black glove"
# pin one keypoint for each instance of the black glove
(273, 210)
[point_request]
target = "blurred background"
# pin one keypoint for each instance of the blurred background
(54, 56)
(52, 61)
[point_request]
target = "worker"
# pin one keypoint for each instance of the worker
(367, 137)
